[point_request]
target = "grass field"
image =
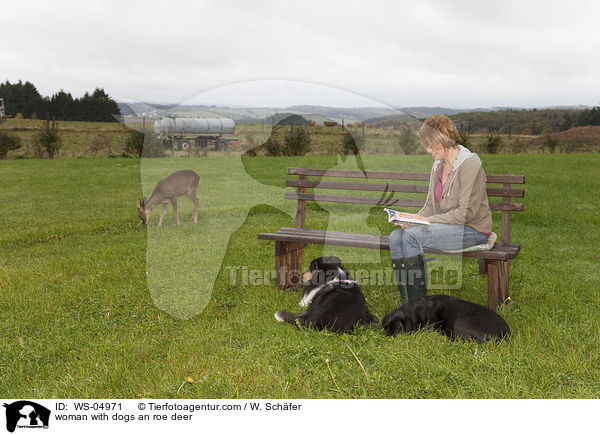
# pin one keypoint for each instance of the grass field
(86, 311)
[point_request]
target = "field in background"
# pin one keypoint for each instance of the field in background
(78, 318)
(77, 136)
(79, 139)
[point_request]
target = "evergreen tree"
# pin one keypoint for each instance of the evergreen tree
(61, 105)
(21, 98)
(25, 99)
(589, 117)
(567, 122)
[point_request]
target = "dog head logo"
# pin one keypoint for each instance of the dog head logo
(26, 414)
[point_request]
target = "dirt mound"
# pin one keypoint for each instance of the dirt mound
(575, 139)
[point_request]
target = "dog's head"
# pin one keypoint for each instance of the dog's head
(322, 270)
(400, 320)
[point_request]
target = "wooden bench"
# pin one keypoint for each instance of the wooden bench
(289, 242)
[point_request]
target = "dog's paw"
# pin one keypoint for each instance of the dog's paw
(279, 318)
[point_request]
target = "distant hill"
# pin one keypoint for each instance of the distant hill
(254, 114)
(342, 113)
(478, 120)
(125, 109)
(426, 112)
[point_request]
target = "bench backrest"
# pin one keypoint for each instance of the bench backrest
(390, 188)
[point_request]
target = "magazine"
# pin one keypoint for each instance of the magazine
(394, 216)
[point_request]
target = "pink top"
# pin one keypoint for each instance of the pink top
(439, 187)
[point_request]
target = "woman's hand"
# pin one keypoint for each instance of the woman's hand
(405, 225)
(414, 216)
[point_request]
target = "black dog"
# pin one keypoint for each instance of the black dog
(334, 300)
(452, 316)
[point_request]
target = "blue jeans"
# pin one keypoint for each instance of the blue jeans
(443, 237)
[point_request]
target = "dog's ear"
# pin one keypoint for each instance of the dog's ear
(315, 264)
(396, 326)
(336, 260)
(331, 261)
(411, 320)
(391, 323)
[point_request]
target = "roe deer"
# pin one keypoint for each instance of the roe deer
(184, 182)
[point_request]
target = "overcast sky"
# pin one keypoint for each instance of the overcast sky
(341, 53)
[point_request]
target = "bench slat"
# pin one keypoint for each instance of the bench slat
(380, 187)
(338, 235)
(420, 176)
(403, 202)
(373, 187)
(321, 233)
(415, 176)
(501, 251)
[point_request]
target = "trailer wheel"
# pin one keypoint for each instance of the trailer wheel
(201, 142)
(184, 146)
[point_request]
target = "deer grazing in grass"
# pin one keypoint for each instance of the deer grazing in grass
(184, 182)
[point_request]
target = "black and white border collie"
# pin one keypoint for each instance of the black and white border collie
(334, 300)
(456, 318)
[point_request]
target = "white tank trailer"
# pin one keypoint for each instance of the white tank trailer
(183, 132)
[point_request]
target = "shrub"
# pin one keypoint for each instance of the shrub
(99, 142)
(153, 146)
(297, 142)
(48, 139)
(409, 141)
(353, 143)
(551, 143)
(134, 144)
(494, 142)
(273, 146)
(250, 139)
(517, 146)
(465, 140)
(8, 142)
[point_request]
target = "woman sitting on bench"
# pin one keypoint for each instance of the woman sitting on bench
(456, 208)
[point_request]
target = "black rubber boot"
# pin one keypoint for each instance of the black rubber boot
(411, 277)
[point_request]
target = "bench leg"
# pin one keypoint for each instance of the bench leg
(497, 272)
(288, 265)
(503, 282)
(482, 267)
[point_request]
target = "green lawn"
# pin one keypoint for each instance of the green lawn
(92, 304)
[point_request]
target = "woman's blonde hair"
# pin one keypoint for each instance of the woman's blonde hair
(439, 130)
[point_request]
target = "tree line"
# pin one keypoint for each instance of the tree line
(532, 122)
(509, 121)
(24, 98)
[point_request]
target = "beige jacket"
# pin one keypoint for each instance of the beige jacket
(464, 199)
